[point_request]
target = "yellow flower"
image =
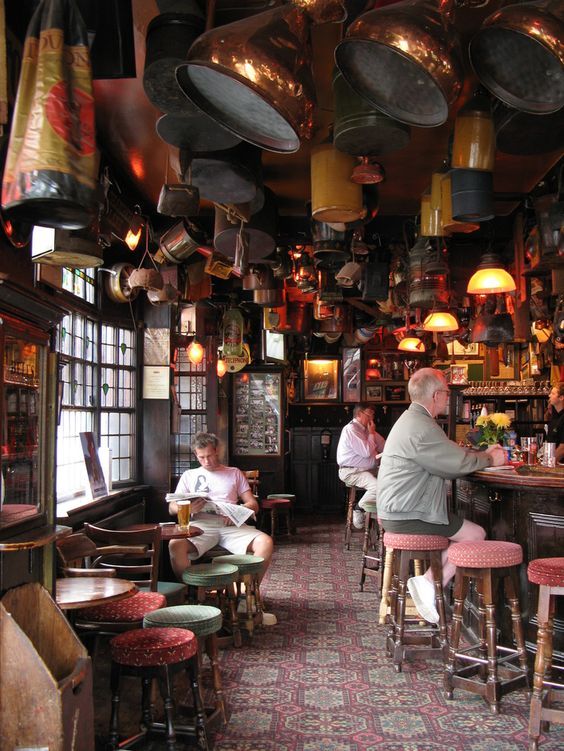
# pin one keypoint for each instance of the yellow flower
(492, 427)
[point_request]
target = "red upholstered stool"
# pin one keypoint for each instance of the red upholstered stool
(277, 507)
(116, 617)
(292, 498)
(486, 668)
(548, 573)
(407, 635)
(156, 653)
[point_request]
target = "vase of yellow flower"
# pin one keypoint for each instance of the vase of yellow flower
(492, 428)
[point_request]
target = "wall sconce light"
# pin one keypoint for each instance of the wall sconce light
(490, 278)
(195, 352)
(133, 234)
(441, 320)
(221, 367)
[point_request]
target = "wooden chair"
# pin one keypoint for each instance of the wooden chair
(142, 569)
(252, 476)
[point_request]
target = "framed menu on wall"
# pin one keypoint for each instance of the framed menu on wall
(257, 414)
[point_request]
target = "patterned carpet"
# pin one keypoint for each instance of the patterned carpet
(321, 680)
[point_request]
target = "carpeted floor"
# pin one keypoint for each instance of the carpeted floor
(320, 680)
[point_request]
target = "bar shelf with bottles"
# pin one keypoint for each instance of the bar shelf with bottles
(524, 402)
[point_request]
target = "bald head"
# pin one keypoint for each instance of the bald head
(424, 383)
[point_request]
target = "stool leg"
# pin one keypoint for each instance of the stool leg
(166, 693)
(200, 718)
(351, 498)
(272, 522)
(365, 546)
(386, 581)
(232, 605)
(543, 663)
(146, 708)
(460, 591)
(250, 624)
(212, 653)
(511, 586)
(115, 680)
(437, 569)
(482, 635)
(493, 689)
(399, 612)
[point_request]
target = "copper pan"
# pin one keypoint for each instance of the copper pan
(404, 59)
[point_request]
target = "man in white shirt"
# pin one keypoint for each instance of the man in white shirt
(359, 445)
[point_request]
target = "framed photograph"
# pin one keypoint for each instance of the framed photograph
(351, 374)
(321, 380)
(472, 349)
(394, 393)
(93, 466)
(257, 409)
(374, 393)
(459, 374)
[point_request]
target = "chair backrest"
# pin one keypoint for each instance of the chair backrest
(252, 476)
(75, 552)
(133, 553)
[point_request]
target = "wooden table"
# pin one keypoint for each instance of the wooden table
(173, 532)
(87, 591)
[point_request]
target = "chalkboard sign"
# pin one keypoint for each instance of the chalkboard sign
(257, 421)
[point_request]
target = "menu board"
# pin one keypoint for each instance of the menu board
(257, 424)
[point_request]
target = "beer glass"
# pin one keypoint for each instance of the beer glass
(549, 454)
(183, 515)
(529, 449)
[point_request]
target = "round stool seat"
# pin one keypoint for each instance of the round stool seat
(210, 574)
(153, 647)
(368, 506)
(485, 554)
(247, 564)
(289, 496)
(202, 620)
(275, 503)
(547, 571)
(128, 610)
(415, 542)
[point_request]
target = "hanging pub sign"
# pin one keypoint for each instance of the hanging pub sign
(51, 168)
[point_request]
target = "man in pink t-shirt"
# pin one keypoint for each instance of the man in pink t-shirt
(220, 483)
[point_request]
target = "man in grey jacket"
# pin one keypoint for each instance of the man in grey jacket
(418, 458)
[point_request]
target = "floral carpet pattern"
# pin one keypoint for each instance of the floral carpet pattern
(320, 680)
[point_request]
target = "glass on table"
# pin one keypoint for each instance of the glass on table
(183, 514)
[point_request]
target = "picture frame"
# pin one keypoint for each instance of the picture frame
(459, 374)
(321, 380)
(257, 413)
(94, 471)
(472, 349)
(374, 393)
(352, 381)
(395, 393)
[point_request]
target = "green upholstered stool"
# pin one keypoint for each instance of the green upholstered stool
(204, 621)
(216, 583)
(292, 498)
(372, 549)
(250, 567)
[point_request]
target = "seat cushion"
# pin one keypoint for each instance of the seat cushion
(154, 646)
(288, 496)
(415, 542)
(129, 610)
(202, 620)
(247, 564)
(485, 554)
(370, 508)
(277, 503)
(547, 571)
(210, 574)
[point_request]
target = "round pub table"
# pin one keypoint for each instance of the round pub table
(76, 592)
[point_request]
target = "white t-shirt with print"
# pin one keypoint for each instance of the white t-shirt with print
(224, 484)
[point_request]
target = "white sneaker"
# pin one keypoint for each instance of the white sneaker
(358, 518)
(269, 619)
(422, 592)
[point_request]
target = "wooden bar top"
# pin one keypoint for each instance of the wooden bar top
(522, 477)
(34, 538)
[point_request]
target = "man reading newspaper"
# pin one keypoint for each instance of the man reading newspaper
(224, 485)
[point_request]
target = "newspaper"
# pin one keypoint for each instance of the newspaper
(237, 514)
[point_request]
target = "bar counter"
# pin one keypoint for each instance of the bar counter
(523, 508)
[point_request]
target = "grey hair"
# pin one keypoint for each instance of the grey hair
(361, 406)
(423, 384)
(203, 440)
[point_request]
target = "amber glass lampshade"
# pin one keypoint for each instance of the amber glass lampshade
(440, 320)
(133, 234)
(411, 344)
(221, 368)
(490, 278)
(195, 352)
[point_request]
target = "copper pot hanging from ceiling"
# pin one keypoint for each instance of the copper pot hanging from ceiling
(404, 60)
(254, 75)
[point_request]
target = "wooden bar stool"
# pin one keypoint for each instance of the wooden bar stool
(350, 501)
(204, 621)
(406, 635)
(156, 653)
(486, 668)
(213, 583)
(250, 567)
(277, 508)
(292, 498)
(372, 547)
(548, 573)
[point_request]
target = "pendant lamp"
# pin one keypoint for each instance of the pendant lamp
(254, 76)
(490, 278)
(518, 55)
(404, 59)
(440, 320)
(411, 344)
(195, 352)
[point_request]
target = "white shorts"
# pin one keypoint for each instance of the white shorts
(234, 539)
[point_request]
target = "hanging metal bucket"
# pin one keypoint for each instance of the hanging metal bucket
(362, 130)
(178, 243)
(334, 197)
(169, 37)
(331, 249)
(472, 195)
(261, 231)
(194, 130)
(473, 145)
(229, 176)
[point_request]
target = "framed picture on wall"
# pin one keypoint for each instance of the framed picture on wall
(321, 380)
(459, 374)
(351, 374)
(374, 393)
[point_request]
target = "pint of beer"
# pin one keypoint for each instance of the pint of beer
(183, 514)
